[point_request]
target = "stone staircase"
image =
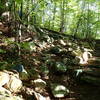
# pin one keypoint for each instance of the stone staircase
(91, 72)
(97, 49)
(95, 61)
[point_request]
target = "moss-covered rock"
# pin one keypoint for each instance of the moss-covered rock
(60, 67)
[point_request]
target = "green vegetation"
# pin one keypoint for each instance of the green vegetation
(50, 49)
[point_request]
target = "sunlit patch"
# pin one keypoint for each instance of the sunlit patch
(60, 87)
(85, 56)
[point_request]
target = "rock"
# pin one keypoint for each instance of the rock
(10, 81)
(13, 73)
(88, 75)
(90, 79)
(89, 71)
(4, 78)
(77, 52)
(45, 71)
(59, 91)
(4, 91)
(92, 71)
(60, 67)
(63, 42)
(94, 61)
(32, 95)
(3, 28)
(54, 50)
(39, 96)
(24, 76)
(22, 72)
(14, 84)
(65, 60)
(76, 61)
(78, 72)
(39, 83)
(33, 74)
(19, 68)
(3, 97)
(6, 95)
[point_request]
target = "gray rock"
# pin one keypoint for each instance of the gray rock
(59, 91)
(10, 81)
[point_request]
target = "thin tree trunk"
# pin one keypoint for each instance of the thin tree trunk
(2, 6)
(62, 17)
(20, 29)
(54, 12)
(88, 29)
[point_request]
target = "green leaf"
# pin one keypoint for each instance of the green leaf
(19, 1)
(2, 51)
(3, 65)
(25, 45)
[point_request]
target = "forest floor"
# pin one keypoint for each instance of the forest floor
(48, 51)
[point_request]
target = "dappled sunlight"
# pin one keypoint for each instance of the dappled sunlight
(85, 56)
(49, 50)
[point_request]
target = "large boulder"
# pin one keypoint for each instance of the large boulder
(4, 91)
(4, 78)
(10, 81)
(14, 84)
(6, 95)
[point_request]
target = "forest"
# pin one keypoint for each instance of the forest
(49, 49)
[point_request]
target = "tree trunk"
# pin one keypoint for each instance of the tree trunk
(62, 17)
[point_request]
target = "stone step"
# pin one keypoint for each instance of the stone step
(97, 41)
(97, 44)
(97, 48)
(94, 61)
(89, 74)
(96, 54)
(93, 71)
(90, 79)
